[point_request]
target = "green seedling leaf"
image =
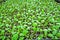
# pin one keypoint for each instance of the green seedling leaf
(3, 37)
(18, 15)
(58, 34)
(40, 37)
(24, 32)
(54, 32)
(15, 36)
(45, 32)
(34, 28)
(21, 38)
(50, 35)
(34, 24)
(2, 32)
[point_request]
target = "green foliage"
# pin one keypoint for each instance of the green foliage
(40, 37)
(15, 36)
(29, 19)
(24, 32)
(58, 34)
(34, 24)
(21, 38)
(50, 35)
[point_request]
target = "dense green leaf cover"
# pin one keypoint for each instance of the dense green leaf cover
(29, 20)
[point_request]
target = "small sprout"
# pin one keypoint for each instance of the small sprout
(58, 34)
(50, 35)
(21, 38)
(40, 37)
(45, 32)
(34, 29)
(34, 24)
(24, 33)
(2, 32)
(18, 15)
(15, 36)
